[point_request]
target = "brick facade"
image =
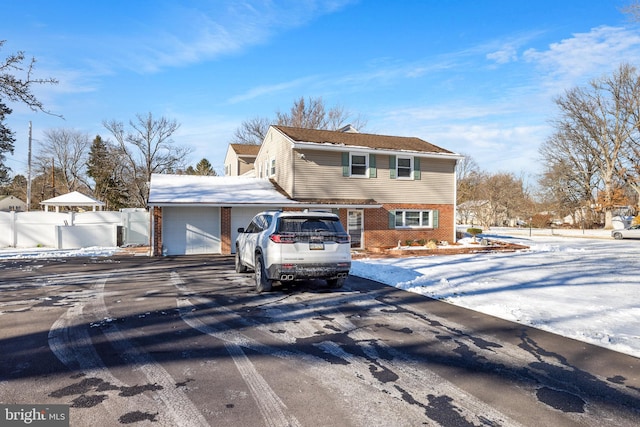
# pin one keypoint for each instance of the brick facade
(225, 230)
(378, 234)
(157, 231)
(376, 227)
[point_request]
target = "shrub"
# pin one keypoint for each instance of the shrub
(474, 231)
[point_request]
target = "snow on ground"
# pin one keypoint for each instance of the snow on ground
(582, 286)
(578, 287)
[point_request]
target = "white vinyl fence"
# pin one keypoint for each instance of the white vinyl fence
(73, 230)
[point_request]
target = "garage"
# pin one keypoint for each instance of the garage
(191, 230)
(192, 214)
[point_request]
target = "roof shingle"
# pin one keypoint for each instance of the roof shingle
(246, 149)
(365, 140)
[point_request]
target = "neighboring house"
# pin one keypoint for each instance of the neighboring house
(239, 159)
(385, 189)
(12, 203)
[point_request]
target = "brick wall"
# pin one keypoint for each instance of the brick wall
(156, 245)
(378, 234)
(225, 230)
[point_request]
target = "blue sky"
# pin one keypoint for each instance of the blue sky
(474, 77)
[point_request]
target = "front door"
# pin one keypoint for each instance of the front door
(355, 227)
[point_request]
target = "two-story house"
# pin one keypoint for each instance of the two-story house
(240, 159)
(401, 188)
(386, 189)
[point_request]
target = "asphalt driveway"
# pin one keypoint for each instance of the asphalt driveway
(187, 341)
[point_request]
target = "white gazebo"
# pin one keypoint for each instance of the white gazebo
(72, 199)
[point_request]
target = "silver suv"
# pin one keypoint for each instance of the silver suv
(287, 246)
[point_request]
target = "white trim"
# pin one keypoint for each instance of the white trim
(361, 212)
(411, 168)
(366, 165)
(430, 225)
(340, 148)
(271, 171)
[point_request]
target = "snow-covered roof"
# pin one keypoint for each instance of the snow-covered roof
(166, 189)
(72, 199)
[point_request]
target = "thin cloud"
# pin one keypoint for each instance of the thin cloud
(222, 29)
(585, 55)
(267, 90)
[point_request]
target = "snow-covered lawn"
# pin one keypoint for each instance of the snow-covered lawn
(579, 287)
(582, 286)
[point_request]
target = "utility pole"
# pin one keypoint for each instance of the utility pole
(29, 172)
(53, 177)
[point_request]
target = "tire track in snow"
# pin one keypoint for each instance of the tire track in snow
(73, 347)
(272, 408)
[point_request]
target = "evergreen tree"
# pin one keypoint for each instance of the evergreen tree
(103, 167)
(202, 168)
(7, 139)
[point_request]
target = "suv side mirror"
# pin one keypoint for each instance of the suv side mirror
(241, 230)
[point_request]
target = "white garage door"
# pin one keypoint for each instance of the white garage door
(190, 231)
(240, 217)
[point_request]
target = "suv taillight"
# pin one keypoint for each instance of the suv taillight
(283, 238)
(343, 238)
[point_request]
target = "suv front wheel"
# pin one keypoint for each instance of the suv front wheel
(263, 284)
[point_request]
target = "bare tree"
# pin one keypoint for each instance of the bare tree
(570, 179)
(505, 199)
(310, 113)
(251, 131)
(633, 10)
(16, 89)
(66, 150)
(599, 121)
(468, 178)
(147, 148)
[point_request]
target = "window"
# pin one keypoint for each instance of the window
(272, 168)
(359, 165)
(411, 219)
(405, 167)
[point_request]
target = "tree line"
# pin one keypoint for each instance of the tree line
(115, 172)
(590, 161)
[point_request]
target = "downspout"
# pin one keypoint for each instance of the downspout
(455, 200)
(152, 236)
